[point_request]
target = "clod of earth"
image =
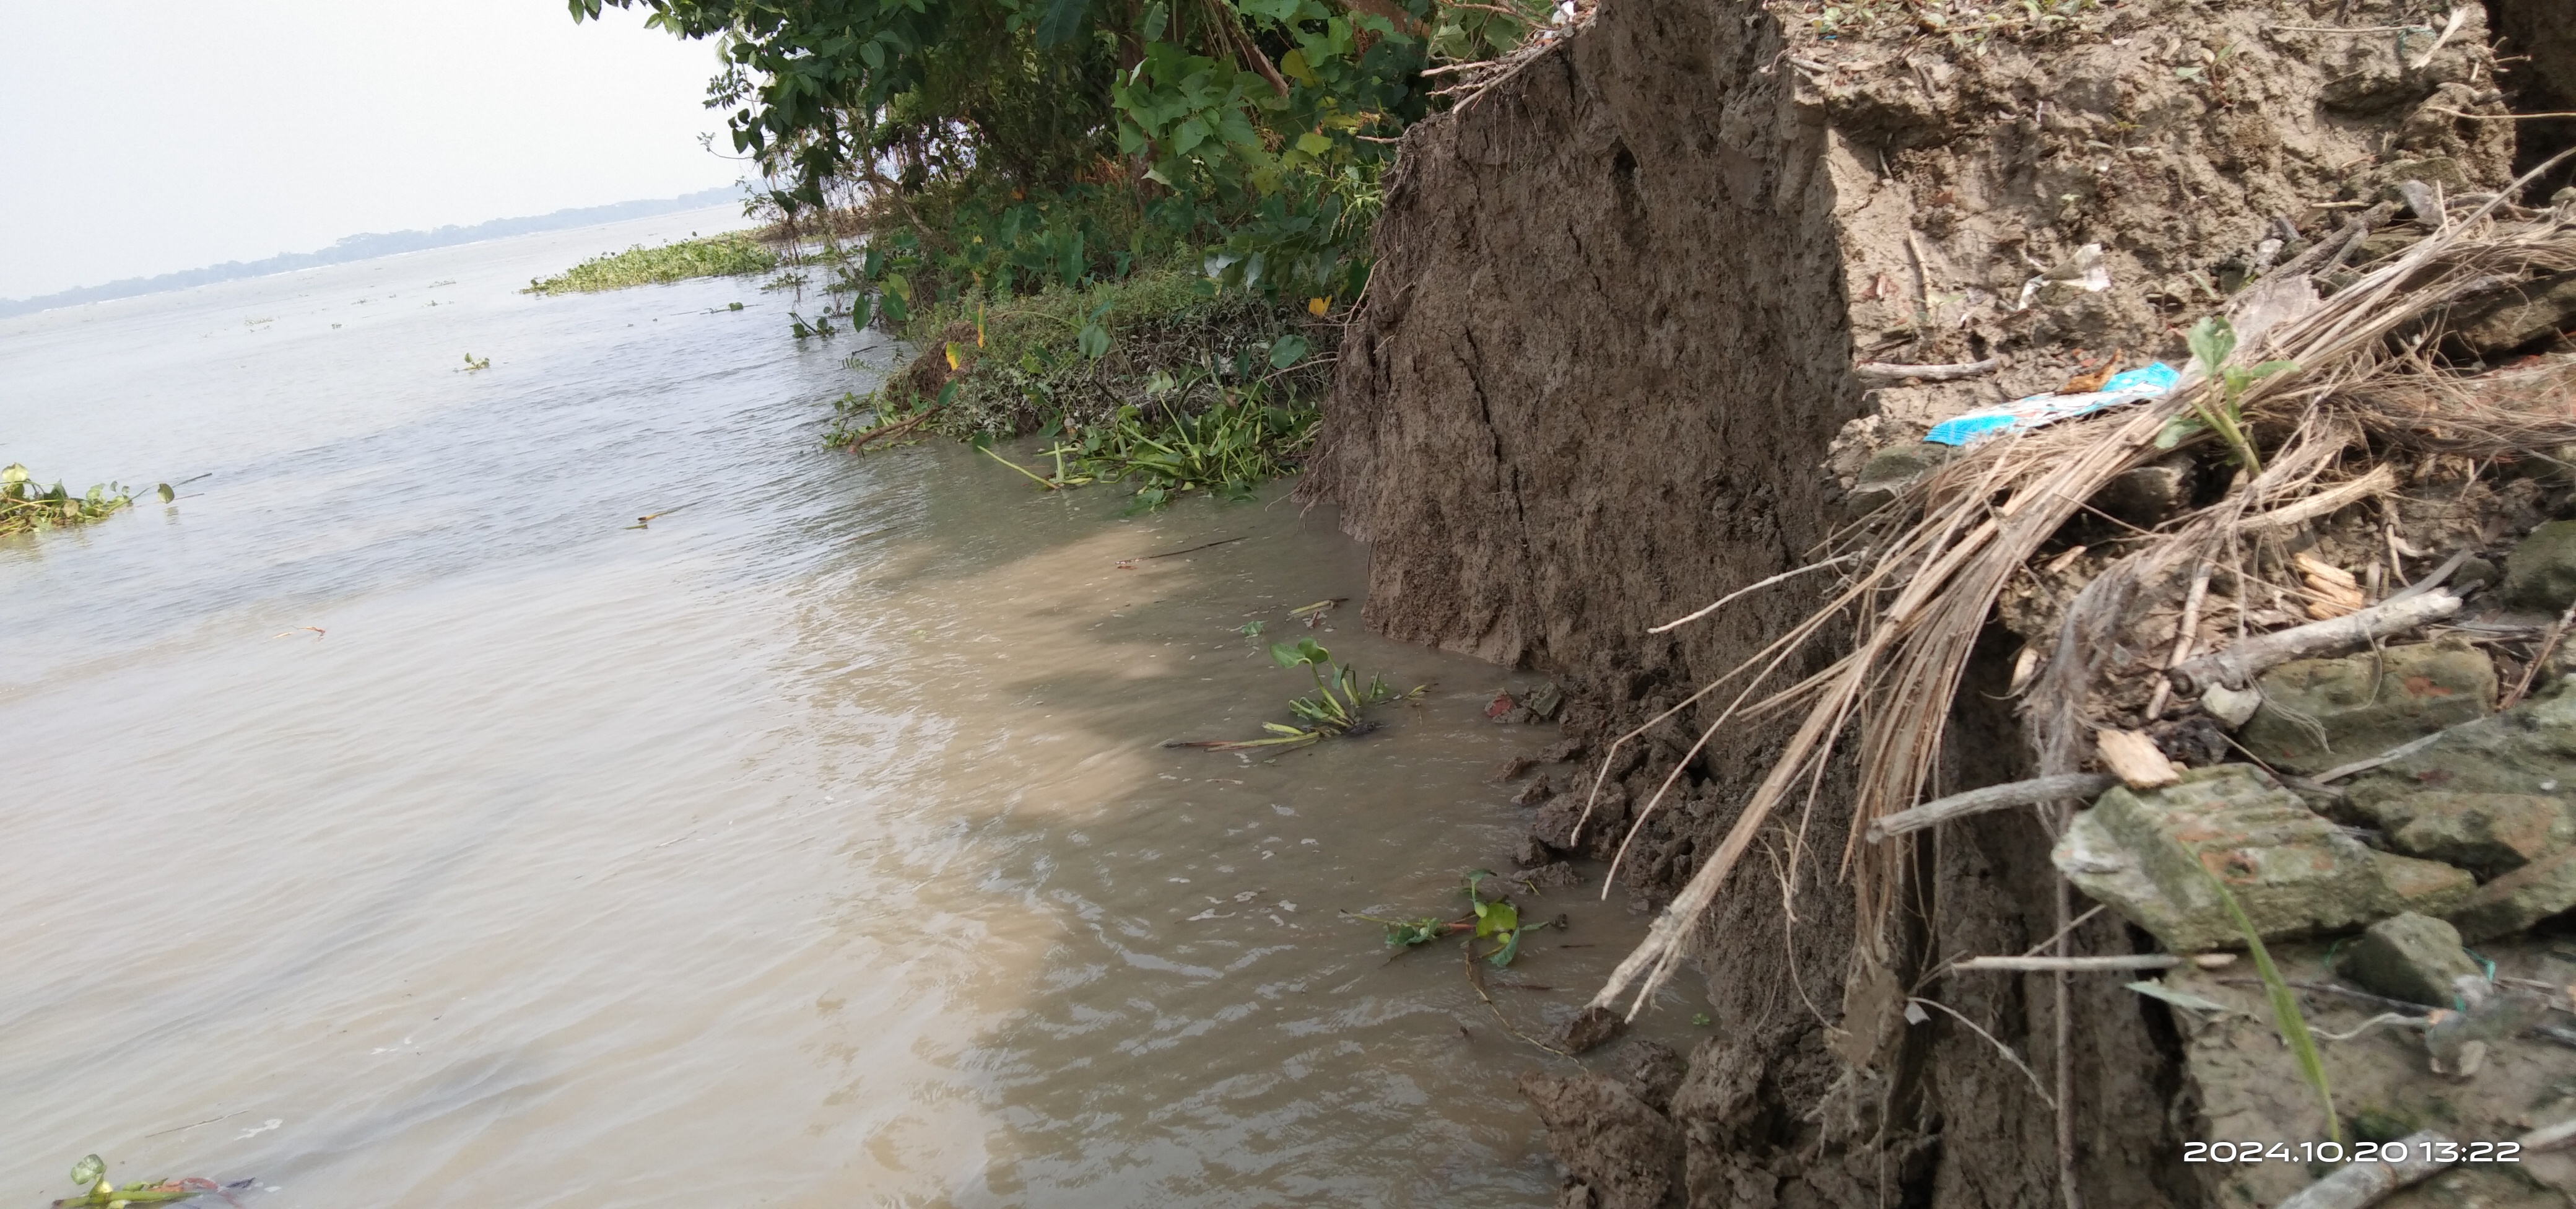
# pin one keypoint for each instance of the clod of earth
(1619, 1149)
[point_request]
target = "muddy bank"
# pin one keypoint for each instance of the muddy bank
(1643, 311)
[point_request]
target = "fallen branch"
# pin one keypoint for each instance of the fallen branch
(2072, 965)
(2549, 1135)
(1993, 797)
(1881, 373)
(2237, 666)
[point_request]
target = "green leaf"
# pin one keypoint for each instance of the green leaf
(2211, 341)
(1287, 350)
(2285, 1006)
(1062, 21)
(89, 1170)
(166, 493)
(1156, 17)
(2178, 430)
(1093, 340)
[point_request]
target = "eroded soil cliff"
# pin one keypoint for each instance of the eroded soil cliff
(1628, 299)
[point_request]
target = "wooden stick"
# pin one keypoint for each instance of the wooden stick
(2075, 965)
(2380, 481)
(2354, 1185)
(2184, 634)
(2237, 666)
(2549, 1135)
(1993, 797)
(1884, 373)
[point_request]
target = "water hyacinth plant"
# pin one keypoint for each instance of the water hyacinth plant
(25, 506)
(91, 1175)
(713, 256)
(1333, 710)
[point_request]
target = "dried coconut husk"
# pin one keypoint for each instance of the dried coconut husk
(1937, 560)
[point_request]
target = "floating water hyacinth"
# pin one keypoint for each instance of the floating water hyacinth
(2149, 381)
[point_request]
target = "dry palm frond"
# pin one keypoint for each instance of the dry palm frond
(1936, 572)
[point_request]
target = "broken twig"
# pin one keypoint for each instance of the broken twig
(1993, 797)
(1882, 373)
(2237, 666)
(2354, 1185)
(2071, 965)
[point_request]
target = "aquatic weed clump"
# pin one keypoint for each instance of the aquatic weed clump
(25, 507)
(1332, 711)
(729, 255)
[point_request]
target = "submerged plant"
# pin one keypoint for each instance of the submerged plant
(24, 506)
(1334, 709)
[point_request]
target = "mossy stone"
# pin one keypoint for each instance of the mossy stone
(2541, 572)
(2407, 956)
(2318, 713)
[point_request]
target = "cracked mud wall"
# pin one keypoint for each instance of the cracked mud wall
(1607, 348)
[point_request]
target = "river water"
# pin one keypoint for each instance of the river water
(812, 845)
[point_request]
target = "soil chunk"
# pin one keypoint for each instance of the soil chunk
(1620, 1150)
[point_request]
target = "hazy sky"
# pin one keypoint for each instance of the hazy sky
(146, 137)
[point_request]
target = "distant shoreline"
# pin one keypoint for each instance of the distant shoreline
(370, 246)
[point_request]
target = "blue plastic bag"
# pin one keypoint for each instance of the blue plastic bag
(2148, 381)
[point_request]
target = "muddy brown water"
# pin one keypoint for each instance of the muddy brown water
(813, 845)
